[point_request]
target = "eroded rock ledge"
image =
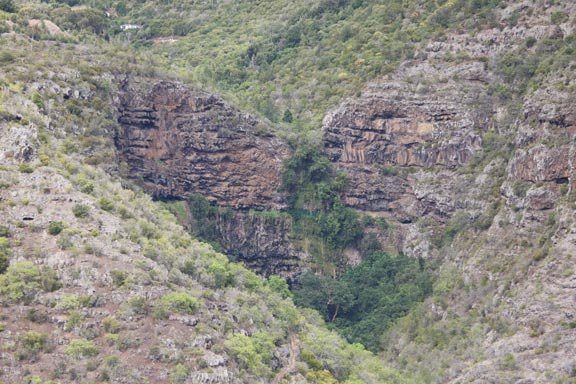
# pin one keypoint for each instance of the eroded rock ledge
(422, 121)
(176, 141)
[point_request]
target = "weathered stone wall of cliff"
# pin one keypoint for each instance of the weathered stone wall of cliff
(261, 241)
(399, 133)
(177, 141)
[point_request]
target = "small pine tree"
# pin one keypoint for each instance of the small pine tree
(287, 118)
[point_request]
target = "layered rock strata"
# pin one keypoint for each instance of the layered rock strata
(177, 141)
(422, 121)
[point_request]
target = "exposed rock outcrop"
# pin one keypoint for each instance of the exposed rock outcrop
(177, 141)
(261, 241)
(422, 120)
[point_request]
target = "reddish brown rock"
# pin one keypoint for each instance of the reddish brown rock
(544, 164)
(422, 120)
(177, 141)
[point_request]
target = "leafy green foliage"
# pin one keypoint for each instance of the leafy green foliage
(252, 352)
(55, 227)
(80, 348)
(25, 168)
(179, 302)
(314, 188)
(303, 55)
(68, 302)
(136, 305)
(310, 179)
(118, 278)
(4, 254)
(7, 6)
(31, 344)
(81, 210)
(106, 204)
(22, 280)
(203, 215)
(559, 17)
(522, 69)
(279, 285)
(34, 341)
(368, 297)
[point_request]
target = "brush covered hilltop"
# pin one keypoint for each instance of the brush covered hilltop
(287, 191)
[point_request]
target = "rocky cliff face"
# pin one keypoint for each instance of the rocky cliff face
(261, 241)
(178, 141)
(419, 125)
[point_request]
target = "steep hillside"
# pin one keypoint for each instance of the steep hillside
(407, 165)
(100, 284)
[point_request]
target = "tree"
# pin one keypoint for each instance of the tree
(368, 297)
(121, 8)
(287, 118)
(7, 6)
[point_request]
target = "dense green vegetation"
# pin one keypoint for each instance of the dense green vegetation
(4, 254)
(292, 62)
(369, 297)
(22, 280)
(301, 56)
(360, 302)
(321, 221)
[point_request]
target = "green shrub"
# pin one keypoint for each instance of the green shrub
(220, 271)
(540, 253)
(68, 301)
(8, 6)
(37, 99)
(287, 118)
(508, 362)
(520, 189)
(81, 348)
(36, 316)
(4, 254)
(279, 285)
(86, 186)
(136, 305)
(118, 277)
(25, 168)
(252, 352)
(4, 231)
(179, 374)
(55, 227)
(106, 204)
(81, 210)
(559, 17)
(111, 325)
(74, 320)
(530, 41)
(31, 344)
(34, 341)
(179, 302)
(6, 57)
(23, 280)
